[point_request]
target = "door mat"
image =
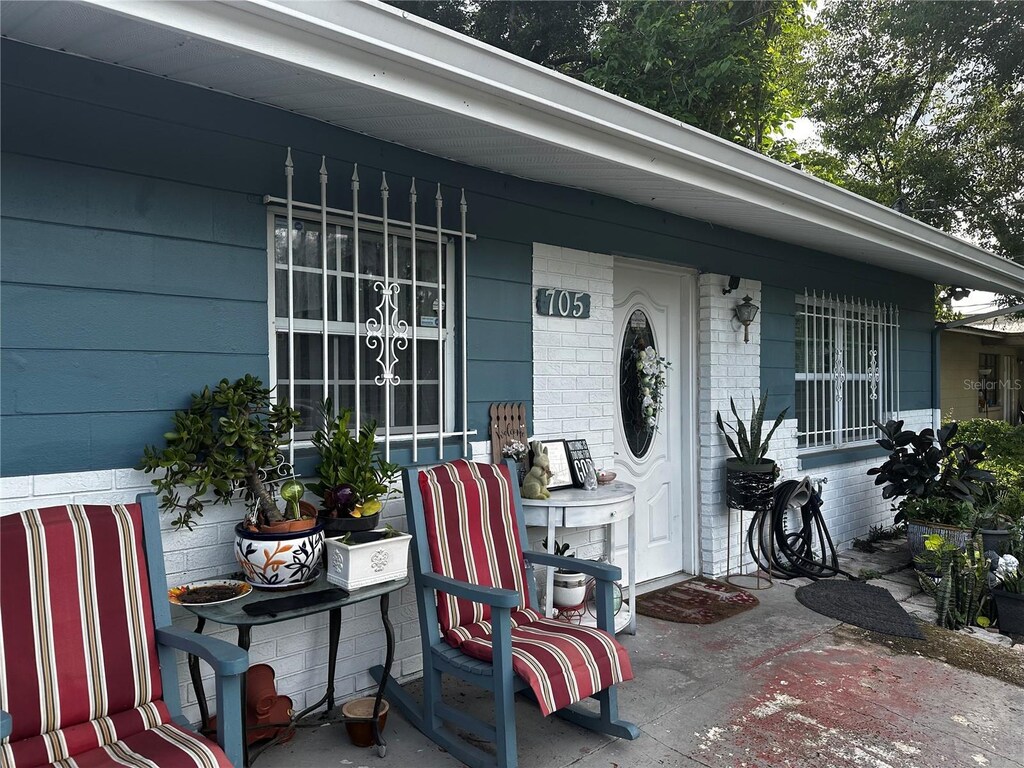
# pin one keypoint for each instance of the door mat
(860, 604)
(697, 601)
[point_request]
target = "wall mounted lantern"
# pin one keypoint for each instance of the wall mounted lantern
(745, 313)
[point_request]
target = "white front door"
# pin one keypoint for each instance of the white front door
(653, 307)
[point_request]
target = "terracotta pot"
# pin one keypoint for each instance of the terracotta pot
(360, 729)
(289, 526)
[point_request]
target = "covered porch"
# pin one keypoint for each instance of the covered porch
(777, 685)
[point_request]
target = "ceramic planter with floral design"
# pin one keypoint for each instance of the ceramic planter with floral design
(282, 559)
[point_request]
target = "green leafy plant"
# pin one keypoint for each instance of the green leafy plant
(955, 579)
(355, 479)
(562, 550)
(229, 439)
(937, 510)
(932, 466)
(749, 447)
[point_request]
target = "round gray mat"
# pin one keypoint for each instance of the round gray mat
(860, 604)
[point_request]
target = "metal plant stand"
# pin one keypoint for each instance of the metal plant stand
(761, 579)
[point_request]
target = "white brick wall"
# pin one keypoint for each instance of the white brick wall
(297, 650)
(726, 367)
(574, 370)
(573, 360)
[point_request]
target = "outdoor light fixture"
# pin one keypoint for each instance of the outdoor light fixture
(745, 313)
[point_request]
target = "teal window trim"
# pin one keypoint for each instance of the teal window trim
(847, 455)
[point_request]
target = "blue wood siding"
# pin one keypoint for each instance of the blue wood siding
(134, 255)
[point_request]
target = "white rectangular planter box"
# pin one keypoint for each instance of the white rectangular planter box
(352, 566)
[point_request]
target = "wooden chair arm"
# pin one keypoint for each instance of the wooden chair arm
(229, 663)
(492, 596)
(222, 656)
(600, 571)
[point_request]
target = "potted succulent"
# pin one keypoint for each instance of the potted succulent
(937, 480)
(750, 475)
(228, 444)
(999, 512)
(355, 481)
(569, 587)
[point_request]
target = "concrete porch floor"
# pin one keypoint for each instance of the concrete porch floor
(778, 685)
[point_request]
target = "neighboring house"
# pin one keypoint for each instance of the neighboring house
(145, 254)
(981, 370)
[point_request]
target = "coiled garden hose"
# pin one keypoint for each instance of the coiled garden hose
(808, 551)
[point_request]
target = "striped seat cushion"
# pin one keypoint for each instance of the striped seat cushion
(473, 535)
(127, 738)
(78, 667)
(563, 663)
(167, 746)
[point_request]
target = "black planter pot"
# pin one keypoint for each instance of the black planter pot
(749, 486)
(339, 526)
(1009, 611)
(997, 541)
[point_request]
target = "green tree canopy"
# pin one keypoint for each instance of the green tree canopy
(731, 68)
(920, 107)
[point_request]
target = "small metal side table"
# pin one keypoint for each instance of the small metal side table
(577, 508)
(232, 613)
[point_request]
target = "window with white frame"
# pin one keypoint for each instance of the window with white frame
(847, 369)
(421, 302)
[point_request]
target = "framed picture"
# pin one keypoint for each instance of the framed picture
(580, 462)
(561, 469)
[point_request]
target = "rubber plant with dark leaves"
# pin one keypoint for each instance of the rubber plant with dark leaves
(228, 441)
(937, 478)
(355, 479)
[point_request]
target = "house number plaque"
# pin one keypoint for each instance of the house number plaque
(560, 303)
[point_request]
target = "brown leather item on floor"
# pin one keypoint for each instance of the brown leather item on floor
(263, 707)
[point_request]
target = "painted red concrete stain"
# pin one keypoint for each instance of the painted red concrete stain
(779, 650)
(836, 707)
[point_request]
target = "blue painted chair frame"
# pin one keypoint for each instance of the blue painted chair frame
(228, 661)
(433, 717)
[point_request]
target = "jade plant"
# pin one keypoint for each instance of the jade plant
(355, 480)
(229, 440)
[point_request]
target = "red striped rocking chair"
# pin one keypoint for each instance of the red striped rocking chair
(477, 596)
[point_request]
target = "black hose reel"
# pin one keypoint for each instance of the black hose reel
(808, 550)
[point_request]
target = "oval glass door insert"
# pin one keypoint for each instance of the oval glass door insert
(637, 335)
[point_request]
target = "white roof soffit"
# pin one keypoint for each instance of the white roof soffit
(373, 69)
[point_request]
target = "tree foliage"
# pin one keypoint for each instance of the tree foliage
(730, 68)
(920, 107)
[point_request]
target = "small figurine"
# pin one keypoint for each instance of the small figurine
(535, 484)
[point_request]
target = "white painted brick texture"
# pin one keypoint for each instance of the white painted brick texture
(574, 369)
(726, 367)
